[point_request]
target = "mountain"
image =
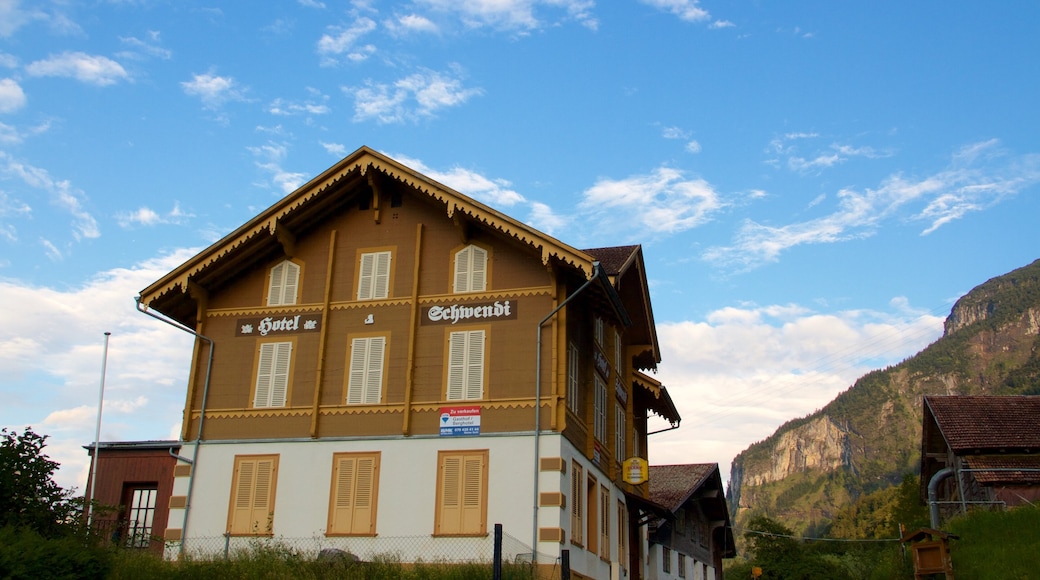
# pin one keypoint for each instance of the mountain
(868, 437)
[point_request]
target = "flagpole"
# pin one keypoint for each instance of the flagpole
(97, 435)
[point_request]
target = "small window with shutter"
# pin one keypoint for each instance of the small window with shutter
(471, 269)
(353, 501)
(283, 284)
(465, 365)
(374, 277)
(462, 486)
(274, 361)
(253, 484)
(365, 379)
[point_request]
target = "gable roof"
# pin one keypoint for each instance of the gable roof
(978, 424)
(274, 229)
(672, 485)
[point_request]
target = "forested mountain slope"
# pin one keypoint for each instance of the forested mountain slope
(869, 436)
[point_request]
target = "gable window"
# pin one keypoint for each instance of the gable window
(283, 284)
(374, 279)
(600, 410)
(140, 510)
(252, 495)
(619, 433)
(577, 496)
(466, 365)
(462, 479)
(355, 485)
(365, 379)
(573, 382)
(471, 269)
(272, 374)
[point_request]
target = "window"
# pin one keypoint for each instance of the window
(622, 535)
(598, 331)
(365, 380)
(355, 486)
(374, 280)
(682, 565)
(617, 353)
(471, 269)
(573, 383)
(252, 495)
(284, 282)
(272, 374)
(592, 519)
(577, 521)
(140, 510)
(619, 433)
(680, 521)
(601, 410)
(461, 493)
(466, 365)
(604, 524)
(666, 559)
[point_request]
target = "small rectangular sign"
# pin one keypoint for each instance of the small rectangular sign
(460, 421)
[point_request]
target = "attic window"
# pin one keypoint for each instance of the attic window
(284, 282)
(471, 264)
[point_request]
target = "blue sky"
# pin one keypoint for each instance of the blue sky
(813, 183)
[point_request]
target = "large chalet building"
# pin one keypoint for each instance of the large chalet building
(379, 356)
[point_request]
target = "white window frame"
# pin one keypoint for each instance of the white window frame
(466, 365)
(573, 378)
(374, 276)
(600, 410)
(284, 284)
(273, 370)
(471, 269)
(365, 378)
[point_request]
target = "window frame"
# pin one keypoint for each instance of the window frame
(577, 501)
(573, 378)
(278, 278)
(276, 387)
(460, 370)
(467, 263)
(358, 523)
(371, 283)
(666, 559)
(474, 464)
(371, 375)
(140, 519)
(620, 432)
(604, 524)
(600, 410)
(252, 526)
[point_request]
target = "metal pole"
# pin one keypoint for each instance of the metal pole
(97, 435)
(496, 564)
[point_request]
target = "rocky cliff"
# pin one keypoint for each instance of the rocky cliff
(869, 436)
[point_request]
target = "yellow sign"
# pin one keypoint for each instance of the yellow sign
(636, 470)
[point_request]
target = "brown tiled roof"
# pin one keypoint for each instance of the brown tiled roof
(671, 485)
(1005, 468)
(612, 259)
(981, 423)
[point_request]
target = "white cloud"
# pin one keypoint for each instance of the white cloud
(337, 149)
(419, 95)
(543, 218)
(518, 15)
(145, 48)
(13, 17)
(664, 201)
(754, 368)
(8, 60)
(213, 90)
(51, 350)
(316, 106)
(688, 10)
(342, 41)
(95, 70)
(270, 160)
(410, 23)
(61, 192)
(146, 216)
(494, 192)
(693, 146)
(12, 97)
(978, 176)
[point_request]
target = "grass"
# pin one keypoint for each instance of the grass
(997, 545)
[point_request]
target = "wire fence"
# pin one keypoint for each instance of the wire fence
(367, 549)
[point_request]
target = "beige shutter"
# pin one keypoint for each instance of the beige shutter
(365, 279)
(462, 498)
(264, 368)
(462, 270)
(478, 269)
(450, 500)
(381, 276)
(456, 366)
(354, 496)
(252, 502)
(276, 289)
(280, 375)
(291, 284)
(472, 516)
(577, 522)
(475, 365)
(365, 496)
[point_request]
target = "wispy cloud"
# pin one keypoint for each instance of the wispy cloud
(411, 23)
(61, 192)
(270, 158)
(318, 105)
(90, 69)
(214, 90)
(513, 15)
(979, 176)
(665, 201)
(688, 10)
(149, 47)
(494, 192)
(343, 42)
(147, 217)
(416, 96)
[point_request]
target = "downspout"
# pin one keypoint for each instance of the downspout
(538, 406)
(202, 414)
(933, 493)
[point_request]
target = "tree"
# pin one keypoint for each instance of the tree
(29, 496)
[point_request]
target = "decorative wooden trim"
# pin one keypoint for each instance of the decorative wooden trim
(550, 535)
(178, 502)
(552, 464)
(181, 470)
(552, 499)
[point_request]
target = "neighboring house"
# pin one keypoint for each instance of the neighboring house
(695, 534)
(990, 446)
(375, 352)
(133, 494)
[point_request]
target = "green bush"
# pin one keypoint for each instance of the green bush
(24, 553)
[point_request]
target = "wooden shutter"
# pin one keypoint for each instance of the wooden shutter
(466, 365)
(365, 383)
(462, 270)
(272, 374)
(374, 279)
(275, 290)
(604, 523)
(577, 498)
(355, 483)
(471, 269)
(462, 493)
(253, 490)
